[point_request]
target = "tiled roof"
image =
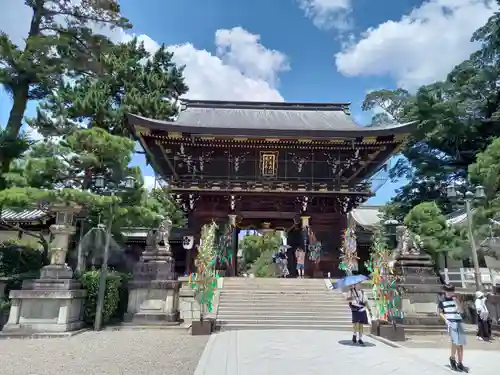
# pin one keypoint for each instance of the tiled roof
(207, 115)
(25, 215)
(369, 216)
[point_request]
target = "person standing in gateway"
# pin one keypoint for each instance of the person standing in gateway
(300, 255)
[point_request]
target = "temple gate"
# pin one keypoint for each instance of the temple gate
(301, 166)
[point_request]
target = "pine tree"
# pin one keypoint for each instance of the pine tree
(60, 43)
(132, 80)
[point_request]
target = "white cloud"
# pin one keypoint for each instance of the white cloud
(328, 14)
(422, 47)
(243, 50)
(242, 68)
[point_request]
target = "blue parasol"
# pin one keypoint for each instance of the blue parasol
(349, 281)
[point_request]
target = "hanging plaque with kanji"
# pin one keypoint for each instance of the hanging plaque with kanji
(269, 163)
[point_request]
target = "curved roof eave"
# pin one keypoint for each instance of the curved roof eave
(357, 131)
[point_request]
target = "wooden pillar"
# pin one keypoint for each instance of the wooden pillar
(234, 244)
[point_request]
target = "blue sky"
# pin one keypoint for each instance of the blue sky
(297, 50)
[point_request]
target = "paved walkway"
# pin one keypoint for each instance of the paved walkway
(285, 352)
(484, 362)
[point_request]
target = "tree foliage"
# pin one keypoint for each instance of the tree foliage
(83, 124)
(60, 42)
(253, 245)
(427, 222)
(132, 80)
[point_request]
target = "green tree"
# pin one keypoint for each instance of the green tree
(486, 172)
(72, 163)
(253, 245)
(83, 124)
(131, 80)
(61, 171)
(32, 71)
(429, 226)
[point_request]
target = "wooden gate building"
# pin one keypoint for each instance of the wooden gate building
(307, 164)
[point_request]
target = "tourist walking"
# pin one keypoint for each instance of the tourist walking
(483, 317)
(450, 311)
(358, 303)
(282, 262)
(300, 256)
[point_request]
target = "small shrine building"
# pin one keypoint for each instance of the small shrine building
(289, 165)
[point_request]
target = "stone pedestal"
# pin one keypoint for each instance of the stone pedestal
(54, 302)
(189, 308)
(421, 287)
(154, 290)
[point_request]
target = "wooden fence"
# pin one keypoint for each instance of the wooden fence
(464, 277)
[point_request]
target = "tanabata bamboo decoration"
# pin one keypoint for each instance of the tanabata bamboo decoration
(204, 280)
(224, 252)
(314, 247)
(349, 250)
(386, 289)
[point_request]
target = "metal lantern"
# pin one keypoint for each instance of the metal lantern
(187, 242)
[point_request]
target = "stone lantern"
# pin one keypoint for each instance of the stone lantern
(54, 302)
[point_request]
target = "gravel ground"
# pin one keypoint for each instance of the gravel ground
(125, 352)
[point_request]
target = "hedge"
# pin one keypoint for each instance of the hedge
(114, 293)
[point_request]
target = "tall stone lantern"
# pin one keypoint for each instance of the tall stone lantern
(54, 302)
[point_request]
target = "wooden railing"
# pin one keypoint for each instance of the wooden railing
(464, 277)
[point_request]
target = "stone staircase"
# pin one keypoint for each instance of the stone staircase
(262, 303)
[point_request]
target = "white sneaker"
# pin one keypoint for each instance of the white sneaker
(479, 338)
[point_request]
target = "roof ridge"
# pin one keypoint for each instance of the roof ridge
(308, 106)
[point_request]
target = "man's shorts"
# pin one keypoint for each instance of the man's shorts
(457, 333)
(300, 266)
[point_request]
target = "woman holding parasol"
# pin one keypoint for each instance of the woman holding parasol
(358, 303)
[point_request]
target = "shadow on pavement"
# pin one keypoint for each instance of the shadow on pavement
(350, 343)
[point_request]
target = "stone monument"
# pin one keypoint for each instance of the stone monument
(154, 288)
(54, 302)
(418, 279)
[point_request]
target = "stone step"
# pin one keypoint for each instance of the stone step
(311, 317)
(267, 326)
(271, 305)
(284, 285)
(278, 299)
(290, 310)
(282, 290)
(278, 290)
(295, 322)
(282, 299)
(338, 309)
(321, 286)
